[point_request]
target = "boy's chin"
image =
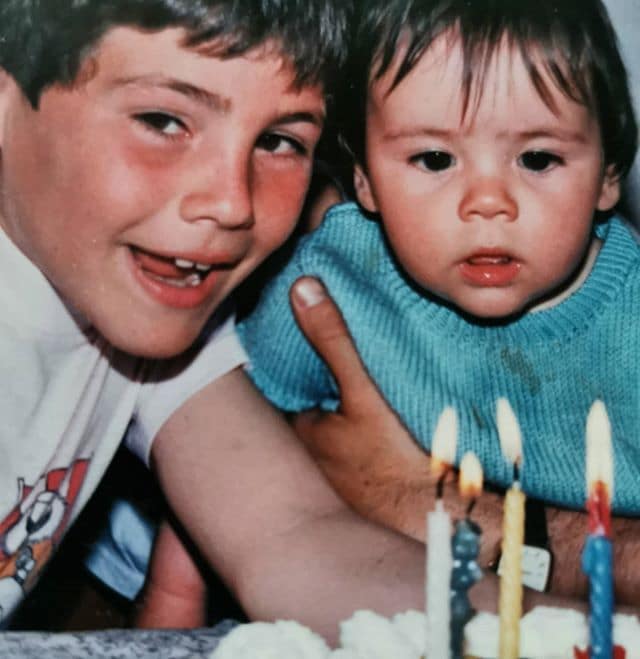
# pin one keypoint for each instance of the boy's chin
(153, 344)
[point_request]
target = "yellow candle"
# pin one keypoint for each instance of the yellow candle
(510, 605)
(511, 568)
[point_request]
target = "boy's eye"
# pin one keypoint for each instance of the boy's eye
(280, 144)
(160, 122)
(539, 161)
(434, 161)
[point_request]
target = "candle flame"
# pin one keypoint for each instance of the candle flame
(599, 460)
(443, 444)
(470, 483)
(509, 432)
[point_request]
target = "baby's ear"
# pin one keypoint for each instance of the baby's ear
(363, 189)
(610, 191)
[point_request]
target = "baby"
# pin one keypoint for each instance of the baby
(483, 260)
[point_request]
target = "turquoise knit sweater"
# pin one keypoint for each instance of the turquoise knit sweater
(551, 365)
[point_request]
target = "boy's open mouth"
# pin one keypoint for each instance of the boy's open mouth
(174, 271)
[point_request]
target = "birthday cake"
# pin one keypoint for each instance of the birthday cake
(545, 633)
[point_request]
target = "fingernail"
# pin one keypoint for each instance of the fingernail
(309, 292)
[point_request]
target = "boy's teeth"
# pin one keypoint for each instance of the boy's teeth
(192, 280)
(185, 264)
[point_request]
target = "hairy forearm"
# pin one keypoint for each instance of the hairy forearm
(401, 503)
(568, 530)
(402, 500)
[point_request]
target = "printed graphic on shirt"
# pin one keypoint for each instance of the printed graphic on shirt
(32, 530)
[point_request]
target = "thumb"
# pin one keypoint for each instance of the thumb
(321, 322)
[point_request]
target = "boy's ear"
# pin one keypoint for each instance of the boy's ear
(363, 189)
(7, 86)
(610, 191)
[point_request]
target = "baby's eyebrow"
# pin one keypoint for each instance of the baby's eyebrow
(442, 133)
(209, 99)
(553, 133)
(415, 131)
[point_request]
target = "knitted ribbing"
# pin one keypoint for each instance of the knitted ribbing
(423, 355)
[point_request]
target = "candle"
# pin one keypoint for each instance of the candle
(465, 547)
(510, 604)
(597, 559)
(443, 447)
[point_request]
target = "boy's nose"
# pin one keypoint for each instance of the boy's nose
(488, 198)
(222, 195)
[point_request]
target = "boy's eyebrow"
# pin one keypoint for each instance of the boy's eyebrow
(211, 100)
(205, 97)
(316, 118)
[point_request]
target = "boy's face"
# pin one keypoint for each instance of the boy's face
(155, 185)
(494, 212)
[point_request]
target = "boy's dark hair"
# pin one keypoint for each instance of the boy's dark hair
(43, 42)
(572, 41)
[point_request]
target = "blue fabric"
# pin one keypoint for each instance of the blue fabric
(423, 355)
(120, 556)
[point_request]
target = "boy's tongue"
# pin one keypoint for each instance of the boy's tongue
(158, 265)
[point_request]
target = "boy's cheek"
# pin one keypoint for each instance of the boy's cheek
(154, 159)
(279, 199)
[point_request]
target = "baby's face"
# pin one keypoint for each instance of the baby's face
(492, 213)
(153, 187)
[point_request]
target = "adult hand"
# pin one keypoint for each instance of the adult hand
(363, 449)
(375, 465)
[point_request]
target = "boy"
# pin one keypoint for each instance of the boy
(496, 137)
(153, 154)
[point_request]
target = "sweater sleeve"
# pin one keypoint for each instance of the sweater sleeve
(282, 363)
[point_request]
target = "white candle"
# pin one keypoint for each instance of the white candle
(438, 572)
(438, 582)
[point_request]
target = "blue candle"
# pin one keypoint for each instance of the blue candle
(597, 556)
(597, 564)
(465, 547)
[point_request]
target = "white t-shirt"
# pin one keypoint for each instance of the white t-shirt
(67, 398)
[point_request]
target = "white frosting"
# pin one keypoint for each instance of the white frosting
(545, 633)
(263, 640)
(372, 636)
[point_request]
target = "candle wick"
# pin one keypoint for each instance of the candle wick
(440, 485)
(516, 473)
(470, 507)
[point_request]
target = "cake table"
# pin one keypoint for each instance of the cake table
(114, 644)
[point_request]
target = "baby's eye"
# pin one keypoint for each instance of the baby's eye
(434, 161)
(539, 161)
(280, 144)
(161, 122)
